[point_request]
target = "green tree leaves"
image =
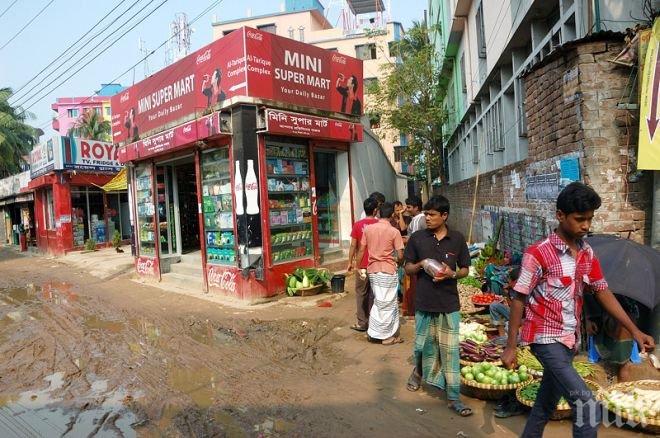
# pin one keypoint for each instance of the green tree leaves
(16, 137)
(91, 126)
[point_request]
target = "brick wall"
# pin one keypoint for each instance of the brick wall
(572, 111)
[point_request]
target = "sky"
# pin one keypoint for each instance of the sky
(63, 22)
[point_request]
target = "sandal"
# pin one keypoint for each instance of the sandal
(358, 328)
(391, 341)
(414, 381)
(458, 407)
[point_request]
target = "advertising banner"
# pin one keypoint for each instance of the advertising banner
(181, 91)
(92, 155)
(14, 184)
(649, 134)
(293, 72)
(167, 140)
(46, 157)
(303, 125)
(246, 62)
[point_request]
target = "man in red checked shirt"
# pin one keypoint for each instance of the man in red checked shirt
(554, 274)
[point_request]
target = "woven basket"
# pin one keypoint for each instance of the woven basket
(467, 363)
(563, 410)
(649, 424)
(483, 391)
(308, 291)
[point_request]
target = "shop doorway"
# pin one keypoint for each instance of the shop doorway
(327, 198)
(176, 191)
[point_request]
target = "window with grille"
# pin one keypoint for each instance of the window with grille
(365, 51)
(271, 28)
(481, 33)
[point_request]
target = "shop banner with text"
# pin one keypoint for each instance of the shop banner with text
(649, 132)
(46, 157)
(92, 155)
(303, 125)
(246, 62)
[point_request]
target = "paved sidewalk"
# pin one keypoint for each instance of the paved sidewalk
(104, 263)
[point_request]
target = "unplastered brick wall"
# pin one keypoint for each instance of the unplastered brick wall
(572, 106)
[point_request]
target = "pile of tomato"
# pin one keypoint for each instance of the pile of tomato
(485, 299)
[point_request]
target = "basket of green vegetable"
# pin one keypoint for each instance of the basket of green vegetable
(306, 282)
(526, 394)
(637, 403)
(525, 357)
(486, 381)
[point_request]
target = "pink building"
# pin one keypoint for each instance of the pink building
(69, 109)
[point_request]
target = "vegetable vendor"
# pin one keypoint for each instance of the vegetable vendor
(499, 312)
(550, 288)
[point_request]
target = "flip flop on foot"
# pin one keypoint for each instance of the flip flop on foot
(458, 407)
(358, 328)
(391, 341)
(414, 382)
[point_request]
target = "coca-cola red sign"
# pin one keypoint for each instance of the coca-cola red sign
(146, 266)
(222, 279)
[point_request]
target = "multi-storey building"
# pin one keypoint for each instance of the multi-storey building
(490, 53)
(69, 109)
(365, 35)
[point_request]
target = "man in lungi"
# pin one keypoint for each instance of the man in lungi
(385, 247)
(437, 306)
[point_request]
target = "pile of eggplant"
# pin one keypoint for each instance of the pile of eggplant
(472, 351)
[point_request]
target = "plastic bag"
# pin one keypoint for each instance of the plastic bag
(592, 352)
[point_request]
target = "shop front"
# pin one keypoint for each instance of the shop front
(259, 182)
(71, 208)
(17, 211)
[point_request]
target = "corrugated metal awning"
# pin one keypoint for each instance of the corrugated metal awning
(23, 197)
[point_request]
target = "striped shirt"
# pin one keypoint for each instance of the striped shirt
(554, 280)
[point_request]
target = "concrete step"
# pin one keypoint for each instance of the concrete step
(183, 281)
(193, 258)
(187, 268)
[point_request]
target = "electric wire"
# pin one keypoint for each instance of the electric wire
(23, 100)
(200, 15)
(26, 25)
(8, 8)
(16, 92)
(89, 61)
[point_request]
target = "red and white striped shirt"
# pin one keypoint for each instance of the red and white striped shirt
(554, 280)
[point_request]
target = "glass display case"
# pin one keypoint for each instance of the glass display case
(146, 221)
(165, 205)
(217, 206)
(289, 202)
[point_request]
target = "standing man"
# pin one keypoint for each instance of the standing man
(383, 241)
(418, 222)
(437, 307)
(363, 296)
(414, 208)
(550, 290)
(379, 197)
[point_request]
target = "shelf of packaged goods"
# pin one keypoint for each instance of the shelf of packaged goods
(277, 175)
(219, 195)
(221, 262)
(219, 229)
(221, 246)
(294, 259)
(213, 213)
(287, 192)
(217, 178)
(210, 163)
(272, 157)
(288, 208)
(290, 242)
(283, 226)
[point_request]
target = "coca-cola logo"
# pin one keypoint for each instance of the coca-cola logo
(203, 57)
(238, 187)
(146, 266)
(339, 59)
(224, 280)
(124, 97)
(255, 35)
(251, 186)
(187, 129)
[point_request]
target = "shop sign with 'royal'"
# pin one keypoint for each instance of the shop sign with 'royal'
(246, 62)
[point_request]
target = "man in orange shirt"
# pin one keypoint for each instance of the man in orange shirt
(383, 241)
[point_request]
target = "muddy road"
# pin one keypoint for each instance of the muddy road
(84, 357)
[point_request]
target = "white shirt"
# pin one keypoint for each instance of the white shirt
(417, 223)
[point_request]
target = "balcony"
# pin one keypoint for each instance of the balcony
(56, 124)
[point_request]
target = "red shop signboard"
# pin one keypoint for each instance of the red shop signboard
(303, 125)
(247, 62)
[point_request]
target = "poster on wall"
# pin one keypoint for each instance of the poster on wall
(649, 134)
(246, 62)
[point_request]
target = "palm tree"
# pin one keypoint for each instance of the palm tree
(91, 126)
(16, 137)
